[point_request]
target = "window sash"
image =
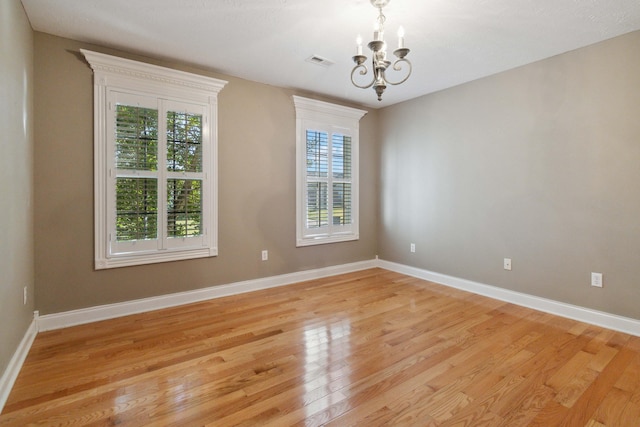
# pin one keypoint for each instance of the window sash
(334, 185)
(180, 158)
(328, 190)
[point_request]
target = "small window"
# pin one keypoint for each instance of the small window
(327, 172)
(155, 163)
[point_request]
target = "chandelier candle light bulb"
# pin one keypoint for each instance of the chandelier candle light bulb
(380, 64)
(378, 34)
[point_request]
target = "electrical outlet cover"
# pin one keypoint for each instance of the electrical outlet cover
(596, 280)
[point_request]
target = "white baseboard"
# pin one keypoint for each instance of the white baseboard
(587, 315)
(15, 364)
(109, 311)
(92, 314)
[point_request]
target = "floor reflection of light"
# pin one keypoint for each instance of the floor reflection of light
(168, 397)
(327, 350)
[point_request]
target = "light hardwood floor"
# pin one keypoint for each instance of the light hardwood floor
(369, 348)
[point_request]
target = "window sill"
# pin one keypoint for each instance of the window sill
(321, 240)
(127, 260)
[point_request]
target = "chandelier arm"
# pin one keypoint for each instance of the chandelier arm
(397, 66)
(363, 72)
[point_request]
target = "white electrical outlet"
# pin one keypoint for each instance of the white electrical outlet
(596, 280)
(412, 248)
(265, 255)
(507, 264)
(24, 295)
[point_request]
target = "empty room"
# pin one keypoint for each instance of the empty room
(320, 213)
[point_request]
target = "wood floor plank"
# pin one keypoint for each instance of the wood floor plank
(612, 407)
(630, 414)
(526, 402)
(372, 348)
(594, 395)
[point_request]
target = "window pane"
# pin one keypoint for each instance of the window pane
(341, 156)
(317, 201)
(184, 207)
(136, 209)
(136, 138)
(184, 142)
(341, 204)
(317, 153)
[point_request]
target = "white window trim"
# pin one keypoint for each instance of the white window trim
(113, 73)
(313, 114)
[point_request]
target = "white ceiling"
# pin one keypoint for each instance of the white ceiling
(268, 41)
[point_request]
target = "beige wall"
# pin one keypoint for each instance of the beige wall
(540, 164)
(256, 190)
(16, 171)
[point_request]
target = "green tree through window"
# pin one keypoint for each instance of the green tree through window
(136, 151)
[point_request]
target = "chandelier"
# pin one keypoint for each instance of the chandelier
(380, 63)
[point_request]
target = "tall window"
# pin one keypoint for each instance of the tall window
(327, 172)
(155, 169)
